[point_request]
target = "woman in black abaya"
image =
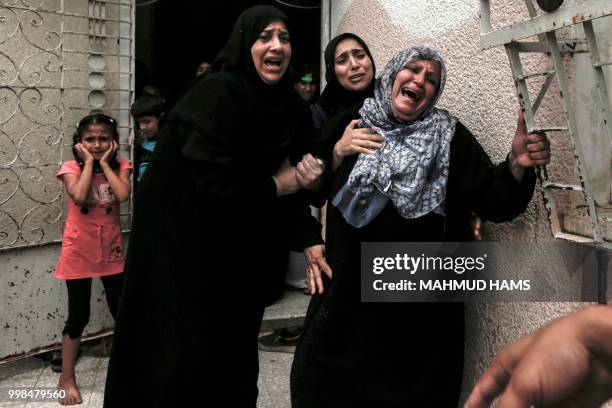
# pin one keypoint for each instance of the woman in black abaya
(349, 72)
(208, 248)
(421, 186)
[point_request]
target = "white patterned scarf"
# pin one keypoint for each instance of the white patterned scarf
(411, 167)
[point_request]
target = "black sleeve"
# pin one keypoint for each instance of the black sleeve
(305, 143)
(318, 115)
(305, 229)
(488, 190)
(326, 138)
(212, 142)
(216, 172)
(304, 134)
(317, 198)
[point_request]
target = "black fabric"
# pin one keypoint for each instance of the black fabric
(335, 98)
(355, 354)
(210, 241)
(79, 299)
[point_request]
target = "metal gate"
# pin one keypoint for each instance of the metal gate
(542, 31)
(59, 59)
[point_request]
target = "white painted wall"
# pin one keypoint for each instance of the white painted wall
(481, 93)
(34, 305)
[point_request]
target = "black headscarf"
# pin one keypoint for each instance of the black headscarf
(335, 98)
(232, 98)
(235, 56)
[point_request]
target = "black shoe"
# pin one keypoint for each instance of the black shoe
(302, 289)
(280, 341)
(56, 360)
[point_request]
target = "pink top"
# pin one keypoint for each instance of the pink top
(92, 244)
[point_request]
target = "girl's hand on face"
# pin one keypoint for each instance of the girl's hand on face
(83, 153)
(357, 140)
(109, 154)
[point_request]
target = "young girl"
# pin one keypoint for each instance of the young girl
(96, 181)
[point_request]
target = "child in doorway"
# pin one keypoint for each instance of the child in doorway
(92, 246)
(146, 111)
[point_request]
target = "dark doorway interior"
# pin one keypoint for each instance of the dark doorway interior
(174, 36)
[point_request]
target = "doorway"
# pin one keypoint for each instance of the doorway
(174, 36)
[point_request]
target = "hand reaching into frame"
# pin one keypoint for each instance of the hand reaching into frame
(567, 363)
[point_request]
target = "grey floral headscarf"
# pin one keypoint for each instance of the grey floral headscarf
(411, 167)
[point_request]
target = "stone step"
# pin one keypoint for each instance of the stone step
(289, 310)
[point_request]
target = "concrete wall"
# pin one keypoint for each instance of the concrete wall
(481, 93)
(34, 305)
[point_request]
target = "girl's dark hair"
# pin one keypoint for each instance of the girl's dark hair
(95, 119)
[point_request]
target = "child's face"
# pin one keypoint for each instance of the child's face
(97, 139)
(306, 90)
(148, 126)
(148, 123)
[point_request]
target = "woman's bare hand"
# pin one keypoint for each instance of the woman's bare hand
(309, 172)
(356, 140)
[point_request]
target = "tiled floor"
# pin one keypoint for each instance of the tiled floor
(35, 373)
(91, 368)
(91, 375)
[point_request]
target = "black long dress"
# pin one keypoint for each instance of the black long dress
(379, 355)
(209, 242)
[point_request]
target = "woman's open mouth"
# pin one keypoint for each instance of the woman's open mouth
(410, 94)
(273, 63)
(356, 77)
